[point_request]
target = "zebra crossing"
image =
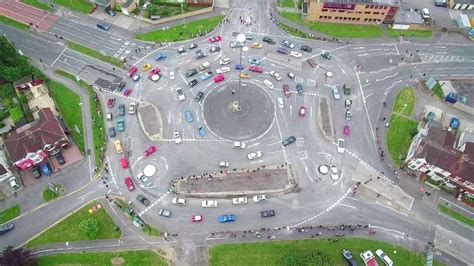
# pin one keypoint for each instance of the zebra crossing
(433, 58)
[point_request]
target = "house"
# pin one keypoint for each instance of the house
(32, 143)
(26, 83)
(39, 98)
(5, 172)
(408, 19)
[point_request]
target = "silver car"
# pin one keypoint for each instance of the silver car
(335, 92)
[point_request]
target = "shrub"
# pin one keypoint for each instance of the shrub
(90, 227)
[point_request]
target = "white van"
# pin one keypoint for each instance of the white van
(386, 259)
(204, 66)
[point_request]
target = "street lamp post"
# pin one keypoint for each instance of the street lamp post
(237, 104)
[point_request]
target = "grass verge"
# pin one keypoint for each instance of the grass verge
(150, 230)
(68, 229)
(10, 213)
(50, 195)
(399, 136)
(13, 23)
(405, 102)
(336, 29)
(93, 53)
(38, 4)
(456, 215)
(286, 3)
(438, 91)
(68, 104)
(280, 252)
(136, 257)
(82, 6)
(410, 33)
(182, 31)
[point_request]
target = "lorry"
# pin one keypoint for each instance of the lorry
(239, 200)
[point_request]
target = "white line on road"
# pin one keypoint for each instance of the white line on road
(348, 206)
(59, 56)
(387, 77)
(342, 69)
(362, 54)
(386, 229)
(383, 69)
(112, 176)
(154, 203)
(253, 145)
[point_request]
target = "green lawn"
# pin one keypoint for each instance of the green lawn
(82, 6)
(13, 23)
(37, 3)
(93, 53)
(405, 102)
(292, 31)
(276, 253)
(438, 91)
(9, 213)
(456, 215)
(410, 33)
(336, 29)
(131, 258)
(68, 229)
(286, 3)
(68, 104)
(173, 33)
(399, 136)
(49, 195)
(150, 230)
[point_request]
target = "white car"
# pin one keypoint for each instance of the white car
(132, 108)
(334, 172)
(259, 198)
(275, 75)
(209, 203)
(172, 76)
(176, 136)
(254, 155)
(179, 201)
(224, 61)
(223, 70)
(144, 179)
(268, 83)
(280, 102)
(181, 96)
(239, 144)
(223, 164)
(335, 92)
(14, 183)
(341, 145)
(425, 13)
(239, 201)
(109, 116)
(384, 257)
(296, 54)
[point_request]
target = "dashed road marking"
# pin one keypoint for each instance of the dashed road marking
(300, 142)
(112, 175)
(154, 203)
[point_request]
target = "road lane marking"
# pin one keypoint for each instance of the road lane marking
(59, 56)
(154, 203)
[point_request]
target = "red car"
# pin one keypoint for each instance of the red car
(127, 92)
(217, 38)
(347, 130)
(110, 102)
(302, 111)
(197, 218)
(256, 69)
(124, 162)
(286, 90)
(155, 71)
(129, 183)
(132, 71)
(150, 150)
(218, 78)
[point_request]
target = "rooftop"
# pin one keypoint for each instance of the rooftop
(376, 2)
(408, 17)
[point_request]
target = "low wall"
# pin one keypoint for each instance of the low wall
(189, 14)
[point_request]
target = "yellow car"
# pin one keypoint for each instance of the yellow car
(245, 75)
(146, 67)
(256, 45)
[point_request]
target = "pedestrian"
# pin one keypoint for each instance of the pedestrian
(233, 91)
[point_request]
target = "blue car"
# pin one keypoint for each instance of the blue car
(188, 116)
(207, 75)
(121, 124)
(225, 218)
(160, 56)
(46, 169)
(103, 26)
(202, 131)
(282, 50)
(239, 67)
(254, 61)
(454, 124)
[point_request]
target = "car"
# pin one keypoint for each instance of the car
(197, 218)
(214, 39)
(349, 258)
(121, 86)
(341, 146)
(254, 61)
(223, 70)
(143, 200)
(425, 14)
(224, 61)
(118, 146)
(290, 75)
(36, 172)
(104, 26)
(124, 162)
(334, 172)
(256, 69)
(214, 49)
(172, 75)
(192, 83)
(189, 116)
(149, 151)
(200, 54)
(224, 164)
(218, 78)
(112, 132)
(282, 50)
(269, 84)
(248, 37)
(245, 75)
(275, 75)
(179, 201)
(204, 66)
(225, 218)
(180, 94)
(165, 213)
(347, 103)
(280, 102)
(121, 124)
(236, 44)
(306, 48)
(46, 169)
(384, 257)
(176, 136)
(296, 54)
(202, 131)
(136, 77)
(368, 258)
(454, 123)
(259, 198)
(326, 55)
(132, 108)
(268, 40)
(199, 96)
(155, 71)
(207, 75)
(347, 130)
(121, 109)
(160, 56)
(239, 67)
(60, 158)
(142, 177)
(129, 183)
(256, 45)
(191, 72)
(302, 111)
(299, 89)
(146, 67)
(286, 90)
(335, 92)
(109, 116)
(288, 141)
(13, 183)
(268, 213)
(239, 200)
(288, 44)
(111, 102)
(181, 50)
(254, 155)
(5, 228)
(131, 71)
(127, 92)
(209, 203)
(441, 3)
(348, 115)
(193, 45)
(239, 144)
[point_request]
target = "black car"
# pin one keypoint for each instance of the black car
(192, 83)
(199, 96)
(349, 258)
(200, 54)
(181, 50)
(121, 86)
(143, 200)
(5, 228)
(112, 132)
(60, 158)
(268, 213)
(214, 49)
(36, 172)
(190, 73)
(121, 109)
(299, 89)
(289, 141)
(306, 48)
(193, 45)
(268, 40)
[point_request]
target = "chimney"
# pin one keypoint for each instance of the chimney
(112, 4)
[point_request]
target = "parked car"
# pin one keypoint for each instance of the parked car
(121, 124)
(121, 86)
(384, 257)
(131, 71)
(218, 78)
(256, 45)
(299, 89)
(5, 228)
(207, 75)
(239, 67)
(280, 102)
(326, 55)
(239, 200)
(296, 54)
(189, 116)
(236, 44)
(282, 50)
(334, 172)
(200, 54)
(224, 61)
(142, 177)
(127, 92)
(193, 45)
(197, 218)
(286, 90)
(118, 146)
(146, 67)
(224, 164)
(288, 44)
(291, 75)
(121, 109)
(245, 75)
(288, 141)
(132, 108)
(111, 132)
(341, 146)
(192, 83)
(347, 130)
(349, 258)
(111, 102)
(202, 131)
(335, 92)
(253, 61)
(425, 14)
(209, 203)
(256, 69)
(124, 162)
(268, 213)
(181, 50)
(254, 155)
(165, 213)
(214, 39)
(172, 75)
(302, 111)
(306, 48)
(179, 201)
(347, 103)
(176, 136)
(222, 70)
(269, 84)
(109, 116)
(46, 169)
(190, 73)
(454, 123)
(150, 151)
(160, 56)
(214, 49)
(36, 172)
(225, 218)
(275, 75)
(60, 158)
(129, 183)
(268, 40)
(143, 200)
(199, 96)
(259, 198)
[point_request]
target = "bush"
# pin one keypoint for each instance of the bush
(90, 227)
(16, 113)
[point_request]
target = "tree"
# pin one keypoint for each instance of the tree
(17, 257)
(90, 227)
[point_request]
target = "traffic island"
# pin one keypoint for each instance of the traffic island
(325, 119)
(266, 179)
(150, 120)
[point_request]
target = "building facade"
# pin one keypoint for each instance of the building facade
(352, 11)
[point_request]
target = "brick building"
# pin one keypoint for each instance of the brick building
(351, 11)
